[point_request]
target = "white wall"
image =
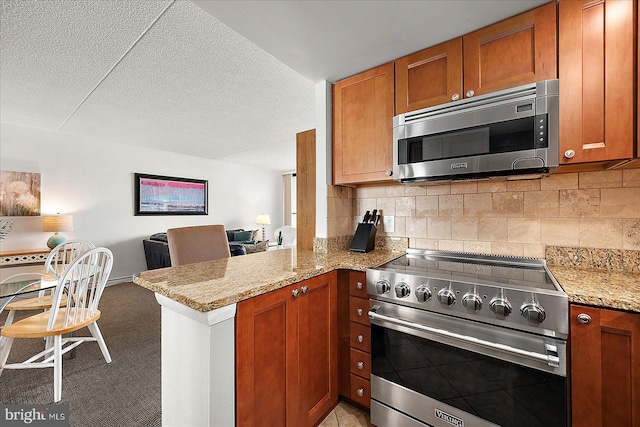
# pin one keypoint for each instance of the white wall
(95, 183)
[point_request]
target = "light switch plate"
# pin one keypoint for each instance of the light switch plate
(389, 223)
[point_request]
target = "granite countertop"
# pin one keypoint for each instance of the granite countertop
(211, 285)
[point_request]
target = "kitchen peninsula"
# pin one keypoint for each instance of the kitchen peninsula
(198, 310)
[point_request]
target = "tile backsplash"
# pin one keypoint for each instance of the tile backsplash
(585, 209)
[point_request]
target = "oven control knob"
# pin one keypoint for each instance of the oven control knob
(446, 297)
(533, 312)
(472, 302)
(423, 294)
(501, 307)
(382, 287)
(402, 290)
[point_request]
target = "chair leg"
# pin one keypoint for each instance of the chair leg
(5, 348)
(95, 331)
(9, 318)
(57, 368)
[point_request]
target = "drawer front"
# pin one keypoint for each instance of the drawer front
(360, 337)
(360, 390)
(357, 284)
(359, 310)
(360, 363)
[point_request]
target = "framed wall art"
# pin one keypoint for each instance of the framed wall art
(166, 195)
(19, 193)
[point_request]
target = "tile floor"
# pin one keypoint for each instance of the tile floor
(345, 415)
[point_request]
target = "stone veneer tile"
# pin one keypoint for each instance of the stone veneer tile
(507, 204)
(601, 233)
(464, 228)
(541, 203)
(366, 205)
(450, 205)
(415, 190)
(464, 187)
(493, 229)
(438, 228)
(451, 245)
(631, 234)
(524, 185)
(534, 251)
(631, 178)
(387, 205)
(426, 206)
(394, 190)
(400, 229)
(524, 230)
(478, 205)
(600, 179)
(405, 206)
(620, 202)
(438, 189)
(416, 227)
(560, 231)
(580, 203)
(492, 186)
(477, 247)
(424, 243)
(505, 248)
(559, 181)
(370, 192)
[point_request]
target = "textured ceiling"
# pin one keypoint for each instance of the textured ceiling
(170, 75)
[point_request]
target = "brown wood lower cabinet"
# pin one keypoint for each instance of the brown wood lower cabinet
(286, 355)
(605, 367)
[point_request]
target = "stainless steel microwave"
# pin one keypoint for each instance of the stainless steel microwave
(512, 133)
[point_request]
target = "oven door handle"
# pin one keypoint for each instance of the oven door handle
(551, 358)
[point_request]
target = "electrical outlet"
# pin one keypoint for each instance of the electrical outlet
(389, 223)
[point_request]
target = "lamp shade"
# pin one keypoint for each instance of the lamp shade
(263, 219)
(57, 223)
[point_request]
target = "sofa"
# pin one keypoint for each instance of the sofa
(241, 242)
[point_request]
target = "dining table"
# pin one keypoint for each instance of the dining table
(23, 284)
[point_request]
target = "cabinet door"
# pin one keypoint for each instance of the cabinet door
(430, 77)
(605, 368)
(513, 52)
(267, 360)
(363, 126)
(318, 343)
(596, 77)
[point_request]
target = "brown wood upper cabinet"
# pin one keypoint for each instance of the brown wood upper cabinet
(596, 65)
(363, 126)
(605, 367)
(287, 355)
(513, 52)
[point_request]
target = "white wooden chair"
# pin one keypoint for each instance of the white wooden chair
(84, 281)
(59, 257)
(288, 236)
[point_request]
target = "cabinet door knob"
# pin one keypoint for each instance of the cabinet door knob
(295, 293)
(360, 392)
(359, 311)
(389, 173)
(305, 289)
(470, 93)
(584, 319)
(360, 338)
(360, 365)
(359, 285)
(569, 154)
(455, 96)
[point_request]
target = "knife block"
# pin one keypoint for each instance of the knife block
(365, 238)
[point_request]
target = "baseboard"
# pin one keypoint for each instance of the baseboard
(117, 280)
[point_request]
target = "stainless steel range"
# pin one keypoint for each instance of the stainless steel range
(467, 340)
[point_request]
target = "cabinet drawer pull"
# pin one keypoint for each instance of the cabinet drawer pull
(359, 311)
(360, 365)
(584, 319)
(569, 154)
(359, 285)
(360, 392)
(360, 338)
(305, 289)
(470, 93)
(295, 293)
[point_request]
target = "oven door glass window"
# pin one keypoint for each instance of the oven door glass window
(502, 392)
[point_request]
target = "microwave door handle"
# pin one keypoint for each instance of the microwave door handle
(551, 359)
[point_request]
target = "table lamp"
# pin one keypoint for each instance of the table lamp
(57, 223)
(263, 219)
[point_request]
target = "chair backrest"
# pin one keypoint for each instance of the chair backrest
(64, 254)
(288, 235)
(197, 244)
(83, 282)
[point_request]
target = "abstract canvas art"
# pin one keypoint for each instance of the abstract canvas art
(165, 195)
(19, 193)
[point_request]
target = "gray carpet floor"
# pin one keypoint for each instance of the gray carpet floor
(125, 392)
